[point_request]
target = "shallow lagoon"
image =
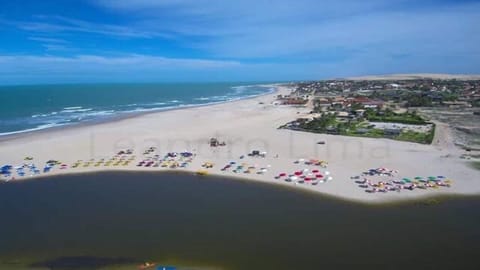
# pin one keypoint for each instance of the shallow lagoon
(116, 220)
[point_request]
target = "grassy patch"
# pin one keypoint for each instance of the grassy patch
(412, 136)
(328, 123)
(418, 137)
(391, 117)
(475, 164)
(402, 119)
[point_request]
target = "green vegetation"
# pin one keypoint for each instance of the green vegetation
(371, 133)
(475, 165)
(411, 136)
(415, 100)
(418, 137)
(449, 96)
(391, 117)
(328, 123)
(320, 124)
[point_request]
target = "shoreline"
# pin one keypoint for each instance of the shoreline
(128, 115)
(420, 200)
(245, 125)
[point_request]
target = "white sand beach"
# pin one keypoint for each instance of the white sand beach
(246, 125)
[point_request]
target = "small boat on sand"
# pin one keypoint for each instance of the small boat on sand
(146, 265)
(202, 172)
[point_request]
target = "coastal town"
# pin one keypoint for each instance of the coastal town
(379, 108)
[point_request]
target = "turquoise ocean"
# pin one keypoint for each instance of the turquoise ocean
(37, 107)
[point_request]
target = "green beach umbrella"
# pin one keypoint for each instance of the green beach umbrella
(407, 180)
(420, 179)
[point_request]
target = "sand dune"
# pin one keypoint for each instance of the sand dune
(417, 76)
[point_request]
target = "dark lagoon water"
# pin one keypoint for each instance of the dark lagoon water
(116, 220)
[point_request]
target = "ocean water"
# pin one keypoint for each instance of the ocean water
(36, 107)
(116, 220)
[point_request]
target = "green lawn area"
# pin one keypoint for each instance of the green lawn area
(475, 164)
(412, 136)
(402, 119)
(325, 123)
(372, 133)
(391, 117)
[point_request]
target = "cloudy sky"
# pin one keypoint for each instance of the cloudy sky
(58, 41)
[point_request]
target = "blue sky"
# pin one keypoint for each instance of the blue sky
(62, 41)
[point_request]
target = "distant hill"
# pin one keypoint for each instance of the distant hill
(415, 77)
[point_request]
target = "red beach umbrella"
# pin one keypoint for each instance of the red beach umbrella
(319, 176)
(282, 174)
(298, 173)
(315, 171)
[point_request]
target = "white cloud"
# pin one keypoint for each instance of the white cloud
(282, 40)
(285, 28)
(32, 69)
(23, 69)
(48, 40)
(53, 24)
(9, 62)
